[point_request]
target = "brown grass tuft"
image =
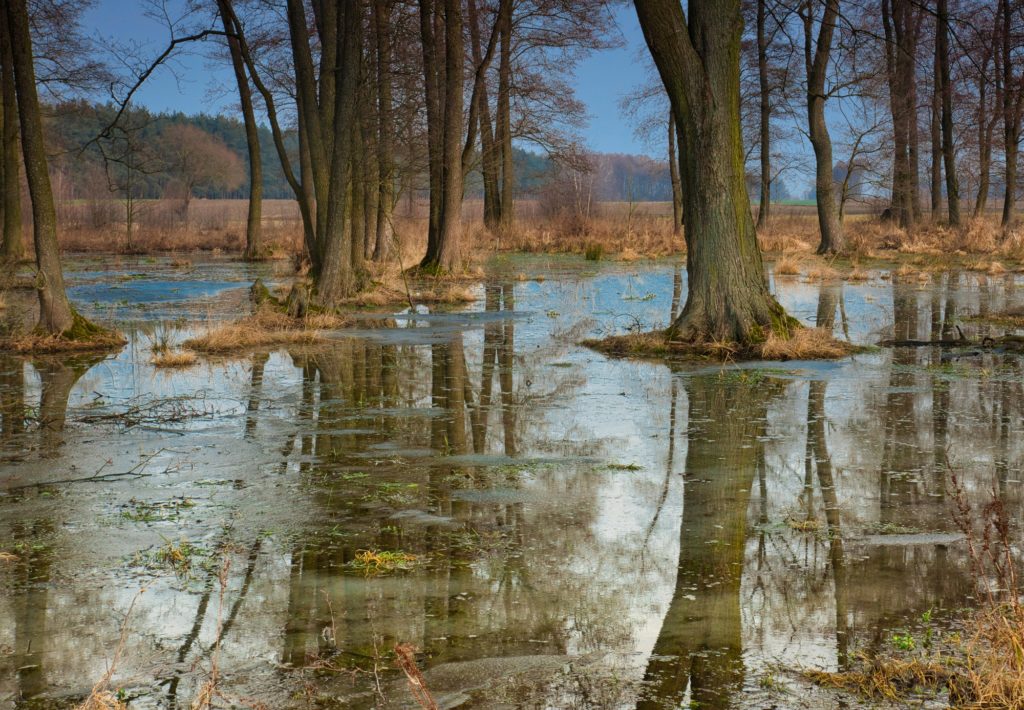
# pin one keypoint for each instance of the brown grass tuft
(265, 328)
(173, 359)
(787, 265)
(887, 678)
(821, 272)
(805, 344)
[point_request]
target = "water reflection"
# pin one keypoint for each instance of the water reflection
(581, 532)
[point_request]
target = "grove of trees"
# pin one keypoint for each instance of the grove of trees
(349, 106)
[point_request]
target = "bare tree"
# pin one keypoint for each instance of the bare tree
(55, 313)
(196, 159)
(254, 220)
(946, 90)
(698, 60)
(817, 55)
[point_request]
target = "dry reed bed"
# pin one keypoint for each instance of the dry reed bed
(265, 328)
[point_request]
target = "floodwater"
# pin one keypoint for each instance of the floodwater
(548, 527)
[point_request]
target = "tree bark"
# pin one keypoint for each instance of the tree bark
(1011, 111)
(55, 312)
(254, 220)
(444, 254)
(337, 278)
(986, 125)
(901, 22)
(816, 56)
(10, 161)
(948, 149)
(385, 130)
(936, 141)
(677, 185)
(490, 165)
(504, 118)
(764, 205)
(727, 297)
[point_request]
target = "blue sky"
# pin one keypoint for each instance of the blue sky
(200, 85)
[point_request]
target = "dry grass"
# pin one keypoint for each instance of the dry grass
(265, 328)
(887, 678)
(805, 344)
(172, 359)
(788, 265)
(821, 272)
(100, 697)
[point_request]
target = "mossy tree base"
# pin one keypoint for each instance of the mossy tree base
(82, 336)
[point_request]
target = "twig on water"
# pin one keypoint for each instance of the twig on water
(406, 660)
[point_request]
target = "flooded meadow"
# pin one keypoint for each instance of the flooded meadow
(543, 525)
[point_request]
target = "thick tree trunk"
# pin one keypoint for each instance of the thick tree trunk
(254, 220)
(55, 313)
(337, 278)
(727, 297)
(10, 161)
(764, 205)
(948, 149)
(677, 184)
(817, 59)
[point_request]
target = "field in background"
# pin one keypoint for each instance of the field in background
(620, 230)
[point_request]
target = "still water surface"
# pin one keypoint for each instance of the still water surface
(570, 531)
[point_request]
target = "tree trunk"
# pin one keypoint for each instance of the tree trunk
(336, 277)
(1011, 115)
(444, 255)
(55, 313)
(480, 116)
(432, 60)
(10, 161)
(985, 128)
(254, 221)
(901, 22)
(727, 297)
(816, 56)
(504, 118)
(385, 161)
(677, 185)
(948, 149)
(936, 140)
(764, 205)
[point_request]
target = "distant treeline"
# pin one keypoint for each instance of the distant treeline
(91, 168)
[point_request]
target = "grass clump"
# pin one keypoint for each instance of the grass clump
(888, 678)
(265, 328)
(593, 252)
(787, 265)
(805, 344)
(382, 561)
(173, 359)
